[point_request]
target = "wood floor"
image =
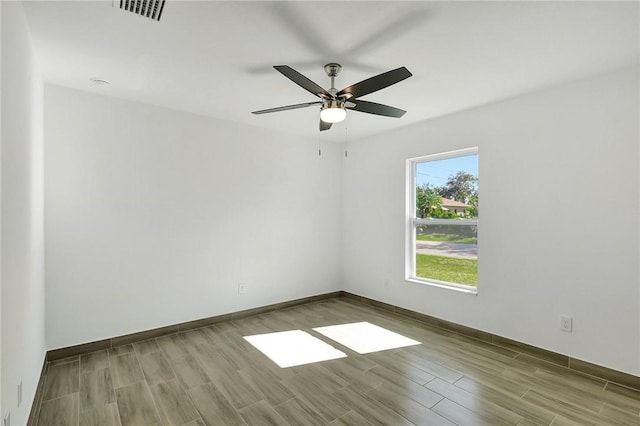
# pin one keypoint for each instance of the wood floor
(212, 376)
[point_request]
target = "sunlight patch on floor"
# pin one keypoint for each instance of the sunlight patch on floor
(294, 347)
(364, 337)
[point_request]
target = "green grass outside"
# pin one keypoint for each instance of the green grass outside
(449, 269)
(449, 238)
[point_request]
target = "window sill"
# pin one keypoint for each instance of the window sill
(441, 284)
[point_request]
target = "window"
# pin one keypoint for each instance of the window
(442, 220)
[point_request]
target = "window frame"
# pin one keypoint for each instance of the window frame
(412, 221)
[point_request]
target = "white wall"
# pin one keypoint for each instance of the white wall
(1, 409)
(540, 156)
(154, 216)
(23, 341)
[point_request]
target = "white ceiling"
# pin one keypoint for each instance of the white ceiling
(216, 58)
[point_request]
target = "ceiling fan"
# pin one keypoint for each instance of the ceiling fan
(334, 103)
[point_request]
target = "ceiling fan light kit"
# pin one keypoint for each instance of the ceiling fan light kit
(333, 112)
(334, 103)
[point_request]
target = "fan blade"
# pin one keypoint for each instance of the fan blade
(324, 126)
(301, 80)
(376, 83)
(374, 108)
(288, 107)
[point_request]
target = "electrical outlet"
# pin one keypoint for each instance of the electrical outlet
(566, 324)
(7, 420)
(20, 393)
(242, 288)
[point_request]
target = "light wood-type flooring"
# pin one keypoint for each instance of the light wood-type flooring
(212, 376)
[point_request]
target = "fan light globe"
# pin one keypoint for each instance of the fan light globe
(333, 115)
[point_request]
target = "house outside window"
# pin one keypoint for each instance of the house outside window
(442, 220)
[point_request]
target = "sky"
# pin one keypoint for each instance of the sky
(436, 173)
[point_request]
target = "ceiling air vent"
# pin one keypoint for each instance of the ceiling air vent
(148, 8)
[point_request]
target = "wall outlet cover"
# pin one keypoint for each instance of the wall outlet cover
(566, 324)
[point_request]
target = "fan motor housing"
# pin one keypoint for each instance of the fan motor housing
(334, 103)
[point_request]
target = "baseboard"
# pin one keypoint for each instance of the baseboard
(612, 377)
(85, 348)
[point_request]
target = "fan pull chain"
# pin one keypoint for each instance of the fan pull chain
(319, 150)
(346, 140)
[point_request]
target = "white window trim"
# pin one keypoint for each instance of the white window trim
(411, 221)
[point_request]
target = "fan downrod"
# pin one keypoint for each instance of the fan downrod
(333, 69)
